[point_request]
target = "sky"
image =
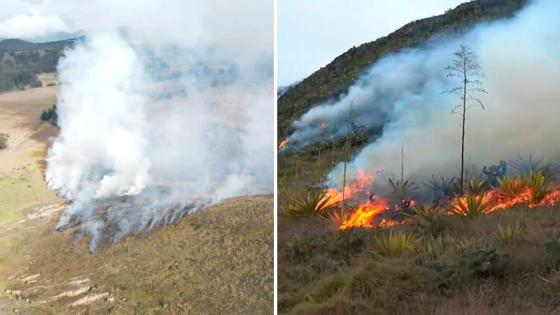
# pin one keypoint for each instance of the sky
(28, 19)
(244, 25)
(312, 33)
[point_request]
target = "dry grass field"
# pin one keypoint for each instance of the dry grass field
(216, 261)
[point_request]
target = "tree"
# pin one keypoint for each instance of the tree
(466, 69)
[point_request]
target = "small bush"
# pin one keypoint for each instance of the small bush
(335, 246)
(327, 288)
(428, 218)
(3, 141)
(552, 248)
(36, 84)
(509, 235)
(395, 244)
(476, 263)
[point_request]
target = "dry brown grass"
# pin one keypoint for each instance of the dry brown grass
(219, 260)
(216, 261)
(324, 272)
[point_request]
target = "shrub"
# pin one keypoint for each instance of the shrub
(476, 263)
(3, 141)
(472, 205)
(427, 218)
(395, 244)
(326, 289)
(552, 249)
(509, 235)
(36, 84)
(319, 242)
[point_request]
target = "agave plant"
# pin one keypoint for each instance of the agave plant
(476, 186)
(472, 205)
(527, 164)
(396, 243)
(511, 186)
(336, 217)
(509, 235)
(540, 185)
(314, 201)
(443, 188)
(401, 189)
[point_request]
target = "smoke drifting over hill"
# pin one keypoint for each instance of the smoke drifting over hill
(162, 111)
(402, 93)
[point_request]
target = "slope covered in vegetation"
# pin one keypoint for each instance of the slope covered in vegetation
(21, 61)
(335, 78)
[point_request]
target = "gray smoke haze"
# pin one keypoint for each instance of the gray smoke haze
(162, 110)
(520, 58)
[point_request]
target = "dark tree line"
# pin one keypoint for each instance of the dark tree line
(50, 115)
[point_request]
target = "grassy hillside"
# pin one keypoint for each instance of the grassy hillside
(335, 78)
(21, 61)
(503, 262)
(216, 261)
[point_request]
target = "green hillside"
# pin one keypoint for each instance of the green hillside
(21, 61)
(335, 78)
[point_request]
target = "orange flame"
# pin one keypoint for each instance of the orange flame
(368, 214)
(334, 196)
(365, 214)
(283, 144)
(500, 201)
(362, 215)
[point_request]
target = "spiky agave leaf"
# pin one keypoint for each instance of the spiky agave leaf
(540, 184)
(472, 205)
(509, 235)
(476, 186)
(511, 186)
(396, 243)
(401, 189)
(313, 201)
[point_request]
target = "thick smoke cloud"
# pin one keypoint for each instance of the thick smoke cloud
(402, 92)
(160, 117)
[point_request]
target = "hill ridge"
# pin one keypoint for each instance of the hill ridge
(335, 78)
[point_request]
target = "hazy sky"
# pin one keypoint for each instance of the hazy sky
(312, 33)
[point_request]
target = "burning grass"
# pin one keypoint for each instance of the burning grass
(393, 253)
(356, 206)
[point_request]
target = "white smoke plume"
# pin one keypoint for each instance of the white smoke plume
(162, 116)
(402, 93)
